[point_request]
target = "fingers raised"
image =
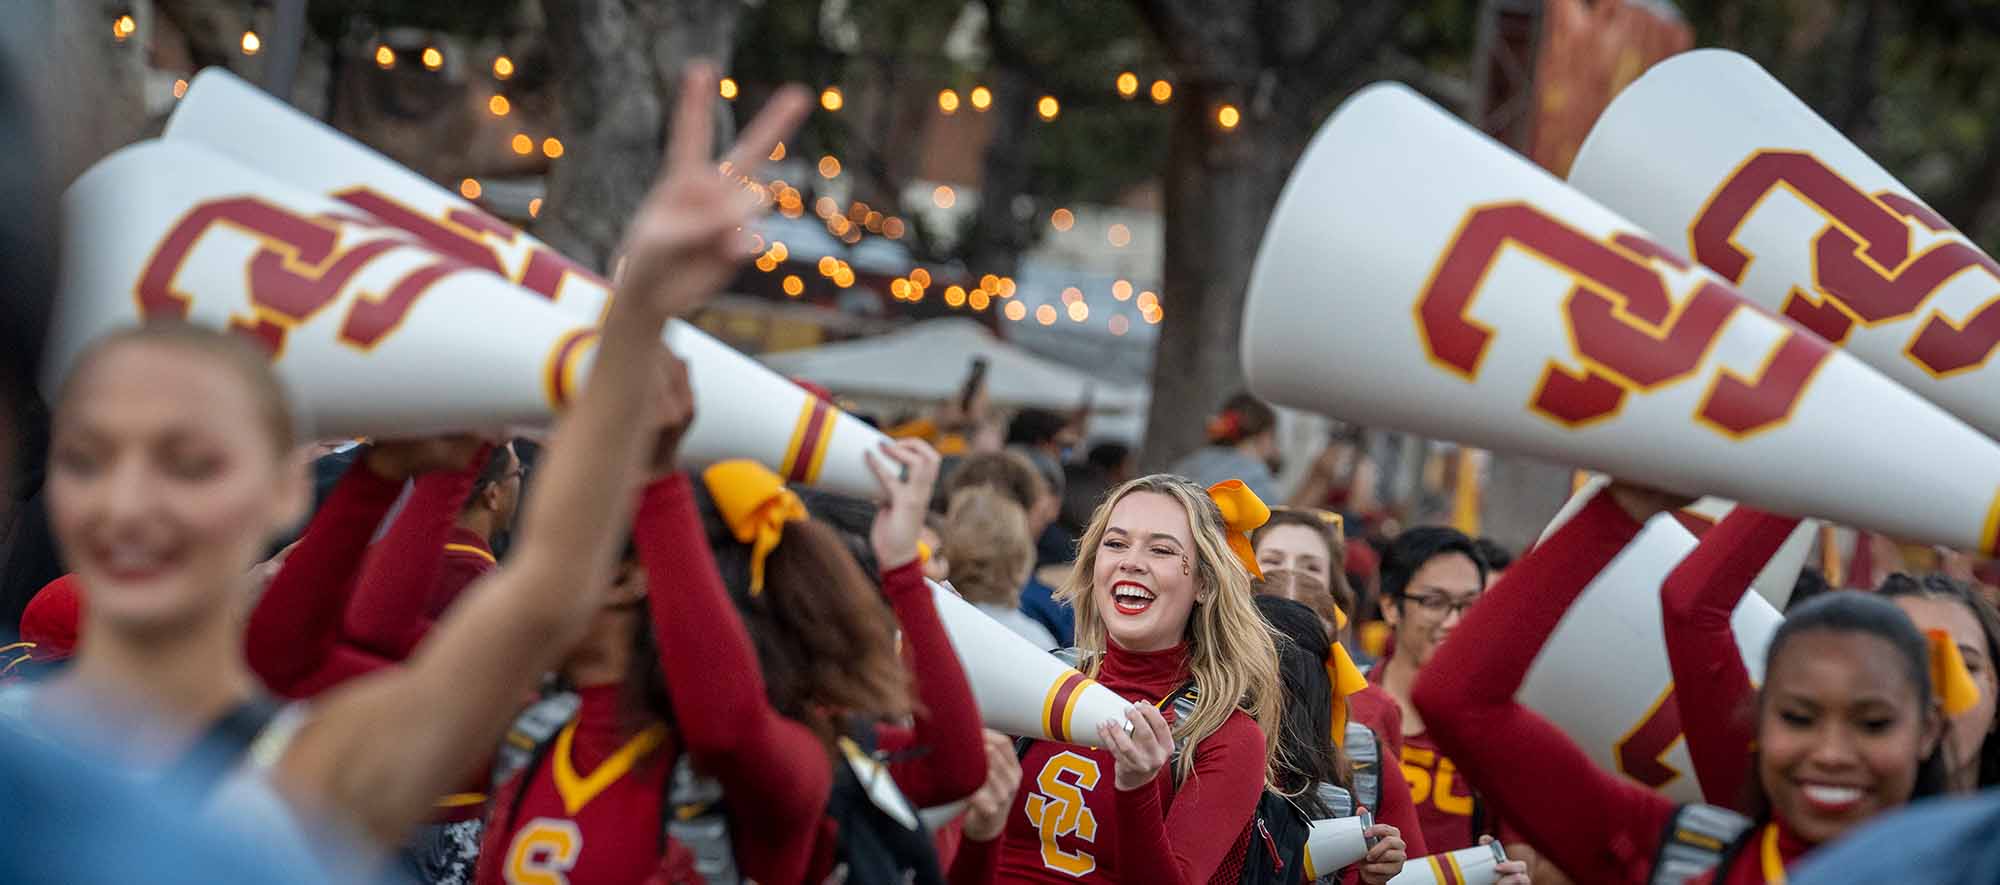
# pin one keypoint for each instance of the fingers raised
(693, 138)
(779, 116)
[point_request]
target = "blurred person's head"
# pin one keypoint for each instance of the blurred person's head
(172, 466)
(1043, 430)
(1307, 543)
(937, 564)
(986, 538)
(1938, 603)
(1247, 424)
(1114, 460)
(496, 493)
(1014, 476)
(1430, 576)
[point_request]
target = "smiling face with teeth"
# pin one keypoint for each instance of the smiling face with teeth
(1840, 733)
(165, 483)
(1143, 581)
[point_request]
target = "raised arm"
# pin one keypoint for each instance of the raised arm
(1596, 826)
(383, 748)
(949, 758)
(296, 624)
(776, 767)
(1710, 683)
(387, 615)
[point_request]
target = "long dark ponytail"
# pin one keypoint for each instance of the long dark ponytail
(1307, 756)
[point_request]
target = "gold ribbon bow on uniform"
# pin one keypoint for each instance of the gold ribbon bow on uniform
(1242, 513)
(1949, 678)
(755, 504)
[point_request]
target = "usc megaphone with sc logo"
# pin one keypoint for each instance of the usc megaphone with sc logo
(1477, 865)
(1023, 690)
(1603, 675)
(1711, 154)
(1457, 291)
(742, 409)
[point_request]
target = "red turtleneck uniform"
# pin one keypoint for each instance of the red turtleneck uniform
(1710, 683)
(1596, 826)
(1071, 823)
(592, 809)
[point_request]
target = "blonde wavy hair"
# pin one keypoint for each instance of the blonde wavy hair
(1232, 652)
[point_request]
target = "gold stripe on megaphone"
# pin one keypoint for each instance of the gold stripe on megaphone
(1708, 152)
(1417, 276)
(1023, 690)
(742, 408)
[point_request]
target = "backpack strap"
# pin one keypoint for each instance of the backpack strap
(692, 813)
(1697, 839)
(221, 748)
(1364, 760)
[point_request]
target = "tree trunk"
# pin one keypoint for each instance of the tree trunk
(88, 89)
(1220, 189)
(617, 68)
(996, 240)
(1520, 497)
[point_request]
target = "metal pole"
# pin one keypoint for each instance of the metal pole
(287, 43)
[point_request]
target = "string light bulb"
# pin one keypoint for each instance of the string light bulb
(385, 58)
(124, 26)
(982, 98)
(944, 197)
(727, 87)
(180, 88)
(552, 148)
(1162, 91)
(251, 43)
(499, 105)
(503, 67)
(1062, 220)
(1048, 107)
(522, 144)
(948, 101)
(432, 58)
(831, 99)
(535, 208)
(1128, 84)
(469, 188)
(1228, 116)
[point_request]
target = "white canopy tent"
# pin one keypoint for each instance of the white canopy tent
(927, 362)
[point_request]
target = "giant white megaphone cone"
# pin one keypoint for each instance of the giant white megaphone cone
(742, 408)
(1779, 576)
(1454, 290)
(1023, 690)
(1768, 195)
(1466, 866)
(1603, 676)
(373, 331)
(1333, 844)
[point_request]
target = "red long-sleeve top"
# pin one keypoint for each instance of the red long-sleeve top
(775, 771)
(390, 611)
(941, 758)
(340, 608)
(1710, 683)
(292, 641)
(1594, 825)
(1071, 823)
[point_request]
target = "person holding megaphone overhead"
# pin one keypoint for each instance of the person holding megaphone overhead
(1848, 725)
(1696, 602)
(172, 465)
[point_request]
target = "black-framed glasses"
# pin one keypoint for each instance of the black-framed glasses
(1441, 605)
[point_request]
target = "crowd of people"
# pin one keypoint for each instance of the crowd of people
(492, 661)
